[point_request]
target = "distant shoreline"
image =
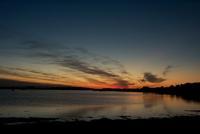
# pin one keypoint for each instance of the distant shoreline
(180, 86)
(188, 91)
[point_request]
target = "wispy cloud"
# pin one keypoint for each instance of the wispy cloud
(4, 71)
(37, 44)
(96, 81)
(31, 74)
(167, 70)
(74, 63)
(80, 60)
(48, 50)
(84, 67)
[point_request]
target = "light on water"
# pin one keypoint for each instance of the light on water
(87, 105)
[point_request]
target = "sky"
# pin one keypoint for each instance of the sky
(100, 43)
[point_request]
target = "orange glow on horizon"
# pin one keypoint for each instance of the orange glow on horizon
(87, 84)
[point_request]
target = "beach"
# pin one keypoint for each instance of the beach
(179, 123)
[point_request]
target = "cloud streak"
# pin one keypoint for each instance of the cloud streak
(82, 61)
(84, 67)
(76, 64)
(167, 70)
(32, 74)
(36, 44)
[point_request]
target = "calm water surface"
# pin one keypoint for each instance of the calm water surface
(87, 105)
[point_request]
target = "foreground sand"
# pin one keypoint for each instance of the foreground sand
(179, 123)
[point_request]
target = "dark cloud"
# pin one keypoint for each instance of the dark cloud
(167, 70)
(149, 77)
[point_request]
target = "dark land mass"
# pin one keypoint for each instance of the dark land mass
(179, 123)
(22, 85)
(187, 91)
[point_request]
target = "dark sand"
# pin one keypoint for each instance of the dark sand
(179, 123)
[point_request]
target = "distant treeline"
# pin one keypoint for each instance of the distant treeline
(45, 88)
(177, 89)
(189, 91)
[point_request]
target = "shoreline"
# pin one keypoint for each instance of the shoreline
(168, 123)
(192, 96)
(154, 125)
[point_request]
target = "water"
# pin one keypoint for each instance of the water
(87, 105)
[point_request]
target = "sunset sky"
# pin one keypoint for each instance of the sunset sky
(100, 43)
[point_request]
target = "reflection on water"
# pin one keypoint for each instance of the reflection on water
(91, 105)
(151, 100)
